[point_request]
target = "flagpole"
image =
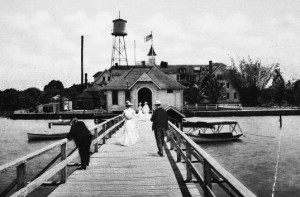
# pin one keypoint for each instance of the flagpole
(134, 54)
(152, 45)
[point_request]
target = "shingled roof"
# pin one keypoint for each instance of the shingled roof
(130, 77)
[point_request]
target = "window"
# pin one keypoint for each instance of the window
(191, 78)
(227, 85)
(169, 91)
(115, 97)
(103, 78)
(108, 78)
(181, 70)
(235, 95)
(227, 95)
(219, 77)
(178, 77)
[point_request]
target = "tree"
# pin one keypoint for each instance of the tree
(245, 79)
(32, 97)
(211, 90)
(53, 88)
(10, 100)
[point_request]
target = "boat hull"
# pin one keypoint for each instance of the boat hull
(61, 123)
(46, 136)
(203, 138)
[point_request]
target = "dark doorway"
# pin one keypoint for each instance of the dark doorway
(144, 95)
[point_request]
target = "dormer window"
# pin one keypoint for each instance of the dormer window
(182, 70)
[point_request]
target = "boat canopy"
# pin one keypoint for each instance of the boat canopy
(205, 122)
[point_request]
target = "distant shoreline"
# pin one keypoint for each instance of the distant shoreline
(245, 112)
(257, 111)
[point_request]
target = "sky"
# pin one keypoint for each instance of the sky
(40, 40)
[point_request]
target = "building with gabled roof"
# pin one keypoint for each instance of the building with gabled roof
(143, 84)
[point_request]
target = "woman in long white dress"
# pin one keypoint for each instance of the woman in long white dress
(140, 110)
(129, 135)
(146, 110)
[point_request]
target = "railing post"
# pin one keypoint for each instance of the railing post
(21, 176)
(110, 125)
(171, 134)
(104, 137)
(179, 146)
(189, 159)
(207, 177)
(96, 142)
(63, 171)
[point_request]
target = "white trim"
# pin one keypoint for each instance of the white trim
(147, 78)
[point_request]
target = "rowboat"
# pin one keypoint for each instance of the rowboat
(47, 135)
(211, 130)
(61, 122)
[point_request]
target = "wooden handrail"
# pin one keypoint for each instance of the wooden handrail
(210, 166)
(31, 156)
(23, 190)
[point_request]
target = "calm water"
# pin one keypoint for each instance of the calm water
(251, 160)
(14, 144)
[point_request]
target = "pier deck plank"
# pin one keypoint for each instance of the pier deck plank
(128, 171)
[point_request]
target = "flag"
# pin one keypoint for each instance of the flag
(149, 37)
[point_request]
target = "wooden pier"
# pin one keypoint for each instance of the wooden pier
(115, 170)
(137, 170)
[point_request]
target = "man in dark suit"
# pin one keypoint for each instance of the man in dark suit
(83, 138)
(159, 125)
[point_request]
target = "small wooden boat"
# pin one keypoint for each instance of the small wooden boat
(46, 135)
(211, 130)
(61, 122)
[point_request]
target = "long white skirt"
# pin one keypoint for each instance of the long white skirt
(130, 134)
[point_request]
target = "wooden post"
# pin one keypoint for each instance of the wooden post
(188, 166)
(110, 124)
(96, 142)
(179, 145)
(280, 121)
(207, 177)
(63, 171)
(104, 138)
(21, 176)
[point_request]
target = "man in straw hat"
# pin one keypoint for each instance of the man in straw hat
(159, 125)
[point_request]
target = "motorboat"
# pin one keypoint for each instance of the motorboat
(46, 135)
(211, 129)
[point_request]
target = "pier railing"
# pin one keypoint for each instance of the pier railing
(211, 107)
(101, 132)
(212, 171)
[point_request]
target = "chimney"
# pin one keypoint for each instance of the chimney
(86, 80)
(81, 60)
(210, 67)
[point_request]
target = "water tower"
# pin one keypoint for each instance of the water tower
(119, 54)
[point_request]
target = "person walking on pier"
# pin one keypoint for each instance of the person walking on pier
(130, 134)
(146, 110)
(159, 125)
(83, 138)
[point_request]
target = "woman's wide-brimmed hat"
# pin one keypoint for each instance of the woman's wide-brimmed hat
(157, 102)
(128, 103)
(146, 102)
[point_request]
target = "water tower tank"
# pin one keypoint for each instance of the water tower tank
(119, 27)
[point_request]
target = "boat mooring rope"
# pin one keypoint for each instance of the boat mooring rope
(277, 162)
(260, 135)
